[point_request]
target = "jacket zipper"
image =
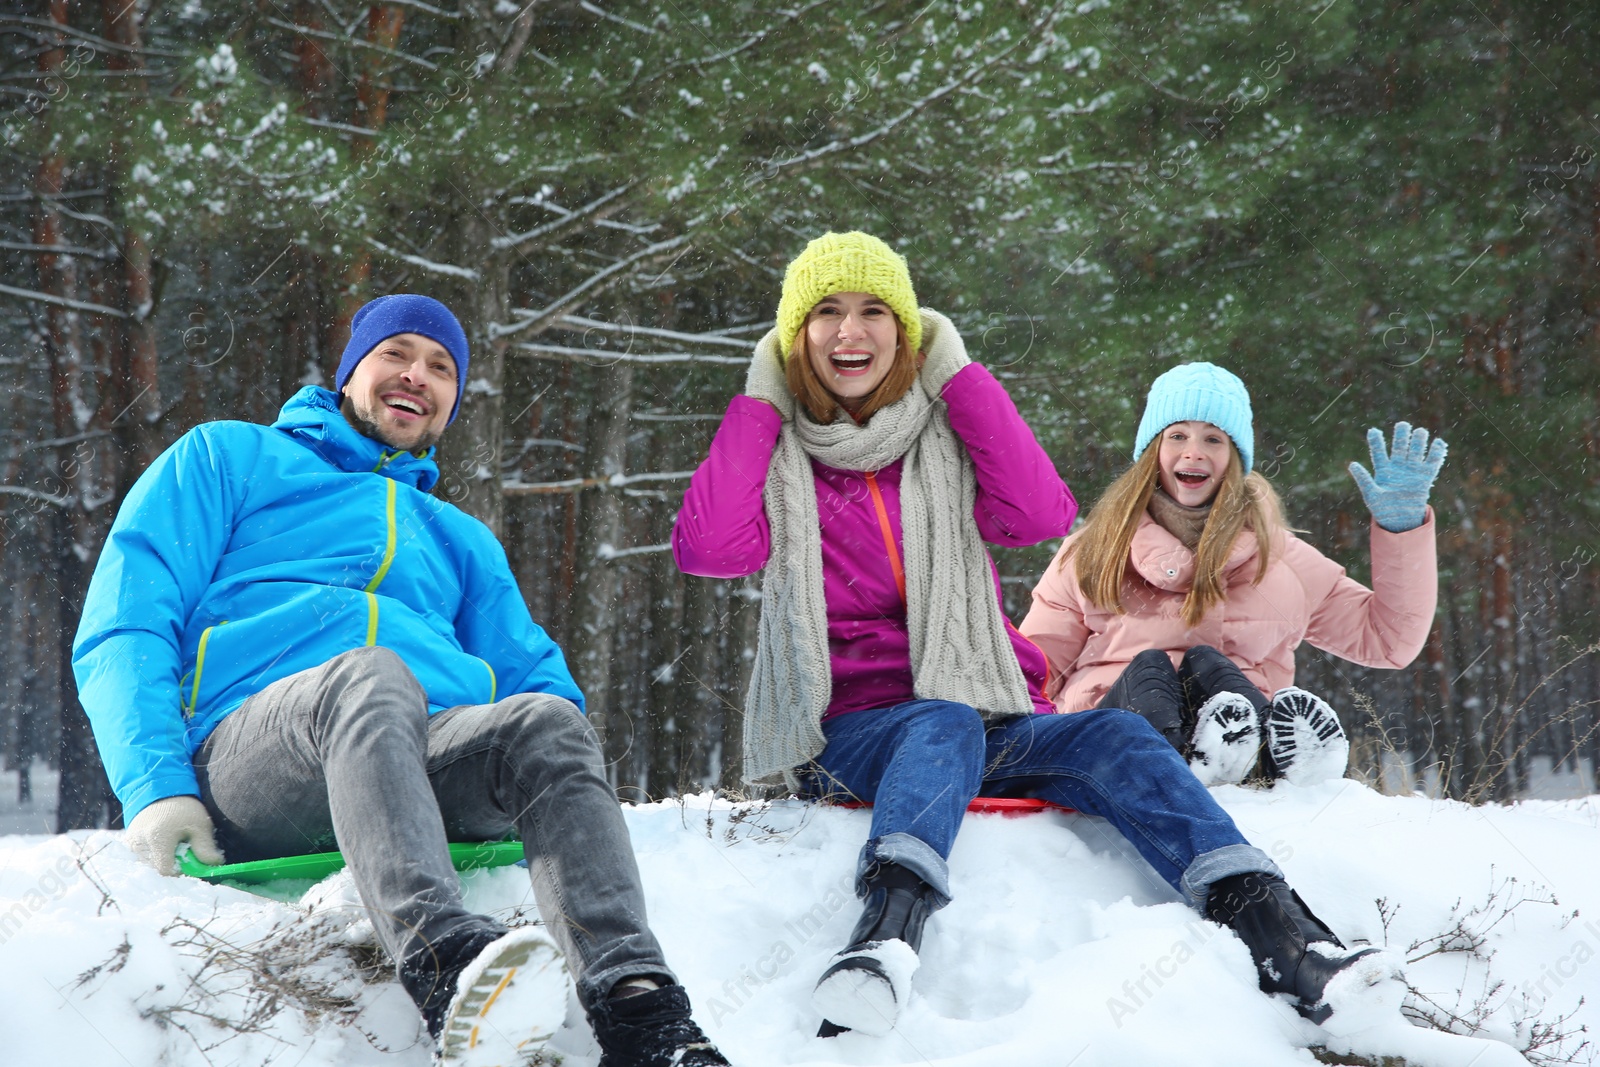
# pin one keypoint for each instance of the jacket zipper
(899, 570)
(383, 568)
(199, 665)
(888, 535)
(493, 684)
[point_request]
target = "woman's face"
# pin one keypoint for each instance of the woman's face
(852, 339)
(1194, 457)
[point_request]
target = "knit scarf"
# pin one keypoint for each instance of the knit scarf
(960, 649)
(1180, 520)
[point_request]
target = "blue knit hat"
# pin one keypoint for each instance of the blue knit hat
(1199, 392)
(380, 319)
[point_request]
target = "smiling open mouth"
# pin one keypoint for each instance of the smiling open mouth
(400, 403)
(1191, 478)
(850, 362)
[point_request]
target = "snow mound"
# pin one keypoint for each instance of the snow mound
(1365, 994)
(1061, 946)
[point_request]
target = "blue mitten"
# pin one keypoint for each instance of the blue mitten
(1396, 491)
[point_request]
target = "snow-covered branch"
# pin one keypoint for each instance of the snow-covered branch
(353, 42)
(37, 297)
(600, 357)
(59, 250)
(59, 442)
(35, 494)
(596, 9)
(343, 127)
(99, 44)
(916, 107)
(578, 322)
(595, 283)
(608, 552)
(567, 219)
(577, 485)
(447, 269)
(790, 16)
(429, 8)
(656, 416)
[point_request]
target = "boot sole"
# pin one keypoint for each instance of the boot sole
(864, 990)
(1305, 739)
(509, 1002)
(1231, 741)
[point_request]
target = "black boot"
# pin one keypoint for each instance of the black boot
(1295, 952)
(862, 989)
(651, 1029)
(519, 976)
(430, 974)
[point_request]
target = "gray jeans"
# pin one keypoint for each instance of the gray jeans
(346, 755)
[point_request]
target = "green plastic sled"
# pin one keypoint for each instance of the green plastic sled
(317, 866)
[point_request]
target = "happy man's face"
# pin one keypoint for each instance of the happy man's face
(402, 392)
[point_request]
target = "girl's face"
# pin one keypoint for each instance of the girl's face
(852, 339)
(1194, 457)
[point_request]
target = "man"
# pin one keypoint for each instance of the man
(288, 645)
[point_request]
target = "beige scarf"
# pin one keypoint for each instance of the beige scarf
(960, 649)
(1180, 520)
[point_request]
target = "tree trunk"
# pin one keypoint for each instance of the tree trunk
(85, 798)
(471, 449)
(80, 476)
(599, 533)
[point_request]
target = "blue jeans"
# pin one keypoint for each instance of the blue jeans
(922, 762)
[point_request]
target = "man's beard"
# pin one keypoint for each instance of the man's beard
(367, 428)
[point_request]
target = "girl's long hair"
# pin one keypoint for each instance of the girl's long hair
(1243, 502)
(807, 387)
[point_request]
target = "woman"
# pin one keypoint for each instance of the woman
(863, 468)
(1185, 595)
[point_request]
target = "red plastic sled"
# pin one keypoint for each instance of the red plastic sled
(1011, 807)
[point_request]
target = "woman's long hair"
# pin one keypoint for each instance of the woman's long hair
(807, 387)
(1243, 502)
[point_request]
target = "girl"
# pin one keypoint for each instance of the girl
(1185, 595)
(864, 467)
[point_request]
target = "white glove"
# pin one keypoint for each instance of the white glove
(157, 831)
(766, 379)
(946, 354)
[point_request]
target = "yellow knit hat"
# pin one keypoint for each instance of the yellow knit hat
(853, 262)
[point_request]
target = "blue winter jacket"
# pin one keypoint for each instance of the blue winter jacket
(246, 553)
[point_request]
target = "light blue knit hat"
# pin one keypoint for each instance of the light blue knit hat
(1199, 392)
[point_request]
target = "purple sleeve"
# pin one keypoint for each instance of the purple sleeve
(721, 530)
(1021, 498)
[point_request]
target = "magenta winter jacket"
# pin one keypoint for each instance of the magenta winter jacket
(721, 531)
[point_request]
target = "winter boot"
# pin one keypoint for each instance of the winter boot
(1226, 741)
(1296, 953)
(867, 983)
(490, 998)
(1305, 742)
(651, 1029)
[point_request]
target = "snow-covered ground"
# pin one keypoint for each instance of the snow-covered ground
(1061, 946)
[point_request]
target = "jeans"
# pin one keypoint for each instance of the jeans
(922, 762)
(1168, 697)
(346, 754)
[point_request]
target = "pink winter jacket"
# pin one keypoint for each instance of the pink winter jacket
(1305, 596)
(722, 532)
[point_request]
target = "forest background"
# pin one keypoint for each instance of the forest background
(1370, 211)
